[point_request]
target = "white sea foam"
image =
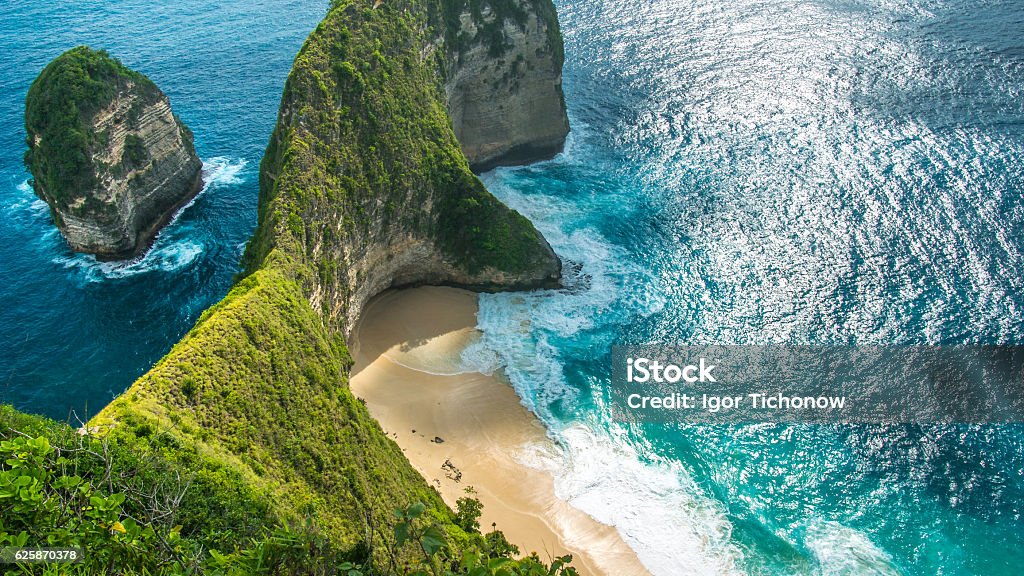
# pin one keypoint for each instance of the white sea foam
(578, 134)
(670, 522)
(478, 357)
(519, 327)
(674, 528)
(168, 257)
(217, 171)
(26, 202)
(842, 550)
(220, 170)
(26, 211)
(658, 510)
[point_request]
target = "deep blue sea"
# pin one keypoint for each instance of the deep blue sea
(74, 333)
(738, 172)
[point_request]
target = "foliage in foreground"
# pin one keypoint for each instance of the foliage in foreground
(59, 488)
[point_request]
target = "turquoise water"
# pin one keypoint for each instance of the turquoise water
(742, 172)
(763, 172)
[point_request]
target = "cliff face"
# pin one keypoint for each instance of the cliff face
(106, 153)
(504, 82)
(363, 187)
(364, 179)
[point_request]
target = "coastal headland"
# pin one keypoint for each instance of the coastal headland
(364, 187)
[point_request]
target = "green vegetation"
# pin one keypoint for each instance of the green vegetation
(60, 102)
(364, 139)
(467, 512)
(243, 451)
(120, 505)
(133, 511)
(135, 154)
(490, 29)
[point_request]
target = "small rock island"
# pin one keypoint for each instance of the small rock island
(107, 153)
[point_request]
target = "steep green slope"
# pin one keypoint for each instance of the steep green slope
(364, 182)
(259, 388)
(363, 187)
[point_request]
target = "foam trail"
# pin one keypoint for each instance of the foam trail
(843, 550)
(167, 258)
(26, 204)
(220, 170)
(674, 529)
(217, 172)
(30, 214)
(657, 509)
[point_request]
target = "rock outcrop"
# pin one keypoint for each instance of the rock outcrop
(504, 81)
(107, 153)
(364, 176)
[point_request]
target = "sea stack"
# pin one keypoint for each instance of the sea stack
(107, 153)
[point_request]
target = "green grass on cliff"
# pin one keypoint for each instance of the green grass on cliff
(259, 388)
(242, 452)
(59, 104)
(364, 141)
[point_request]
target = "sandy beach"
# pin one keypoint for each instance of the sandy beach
(407, 350)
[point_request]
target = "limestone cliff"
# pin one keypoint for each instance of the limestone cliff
(106, 153)
(504, 81)
(363, 187)
(364, 178)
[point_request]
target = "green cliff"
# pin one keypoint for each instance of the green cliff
(245, 439)
(364, 186)
(106, 153)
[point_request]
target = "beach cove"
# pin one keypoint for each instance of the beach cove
(464, 429)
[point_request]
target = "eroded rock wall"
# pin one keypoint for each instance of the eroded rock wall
(504, 84)
(364, 181)
(141, 184)
(107, 153)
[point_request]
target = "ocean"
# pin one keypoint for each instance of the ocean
(750, 172)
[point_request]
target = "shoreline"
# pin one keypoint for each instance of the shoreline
(407, 348)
